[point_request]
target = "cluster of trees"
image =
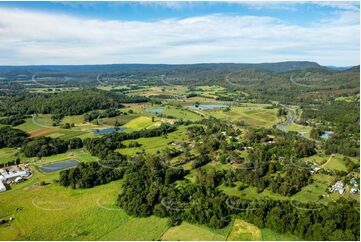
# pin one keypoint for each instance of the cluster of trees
(10, 163)
(336, 221)
(10, 137)
(112, 112)
(150, 188)
(14, 120)
(342, 117)
(65, 103)
(46, 146)
(87, 175)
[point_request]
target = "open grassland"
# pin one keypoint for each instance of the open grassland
(122, 119)
(58, 213)
(161, 90)
(251, 115)
(8, 154)
(187, 231)
(336, 163)
(142, 122)
(150, 228)
(242, 230)
(42, 121)
(154, 144)
(312, 192)
(181, 113)
(303, 130)
(75, 119)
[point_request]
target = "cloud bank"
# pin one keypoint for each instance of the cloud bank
(29, 37)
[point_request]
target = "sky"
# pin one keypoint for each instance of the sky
(68, 33)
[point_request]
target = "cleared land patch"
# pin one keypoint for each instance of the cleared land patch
(244, 231)
(191, 232)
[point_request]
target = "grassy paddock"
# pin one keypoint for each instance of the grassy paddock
(187, 231)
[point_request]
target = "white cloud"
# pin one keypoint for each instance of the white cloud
(28, 37)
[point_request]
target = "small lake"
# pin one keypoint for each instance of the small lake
(208, 106)
(108, 130)
(155, 111)
(60, 165)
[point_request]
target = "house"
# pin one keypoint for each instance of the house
(354, 190)
(315, 169)
(2, 187)
(354, 182)
(338, 187)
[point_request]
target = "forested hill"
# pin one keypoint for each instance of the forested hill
(272, 67)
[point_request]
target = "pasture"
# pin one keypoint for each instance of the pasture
(187, 231)
(154, 144)
(251, 114)
(142, 122)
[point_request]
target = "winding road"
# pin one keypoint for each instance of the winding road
(290, 119)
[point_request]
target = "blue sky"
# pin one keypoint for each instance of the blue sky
(178, 32)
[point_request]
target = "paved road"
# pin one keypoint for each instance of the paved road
(291, 116)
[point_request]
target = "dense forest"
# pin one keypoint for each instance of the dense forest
(65, 103)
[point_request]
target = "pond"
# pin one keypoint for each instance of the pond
(60, 165)
(208, 106)
(108, 130)
(155, 111)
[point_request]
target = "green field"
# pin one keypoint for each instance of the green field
(150, 228)
(8, 154)
(187, 231)
(252, 114)
(152, 145)
(336, 163)
(243, 231)
(141, 123)
(303, 130)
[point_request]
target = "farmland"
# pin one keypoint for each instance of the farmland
(197, 146)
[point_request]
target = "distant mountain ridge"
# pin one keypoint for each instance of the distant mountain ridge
(270, 67)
